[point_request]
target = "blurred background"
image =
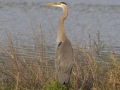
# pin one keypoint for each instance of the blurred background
(87, 18)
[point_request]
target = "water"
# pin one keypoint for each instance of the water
(23, 18)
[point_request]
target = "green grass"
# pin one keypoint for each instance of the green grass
(53, 85)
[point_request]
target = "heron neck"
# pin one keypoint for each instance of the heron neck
(61, 32)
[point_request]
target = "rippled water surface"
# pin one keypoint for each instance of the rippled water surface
(24, 17)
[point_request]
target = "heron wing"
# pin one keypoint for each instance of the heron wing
(64, 61)
(64, 57)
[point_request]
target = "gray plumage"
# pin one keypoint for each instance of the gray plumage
(64, 51)
(64, 61)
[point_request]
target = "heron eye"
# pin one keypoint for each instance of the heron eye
(58, 3)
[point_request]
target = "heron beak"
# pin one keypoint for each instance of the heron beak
(51, 4)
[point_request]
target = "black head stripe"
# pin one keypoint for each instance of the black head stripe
(59, 44)
(63, 3)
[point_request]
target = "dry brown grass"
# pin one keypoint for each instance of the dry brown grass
(25, 67)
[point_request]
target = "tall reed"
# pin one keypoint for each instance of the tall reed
(27, 67)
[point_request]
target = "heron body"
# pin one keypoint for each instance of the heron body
(64, 51)
(64, 61)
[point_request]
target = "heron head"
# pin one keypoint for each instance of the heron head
(57, 4)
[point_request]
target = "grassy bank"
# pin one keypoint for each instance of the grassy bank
(25, 67)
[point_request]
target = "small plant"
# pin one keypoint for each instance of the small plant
(3, 87)
(98, 45)
(53, 85)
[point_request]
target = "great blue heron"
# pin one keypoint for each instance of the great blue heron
(64, 51)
